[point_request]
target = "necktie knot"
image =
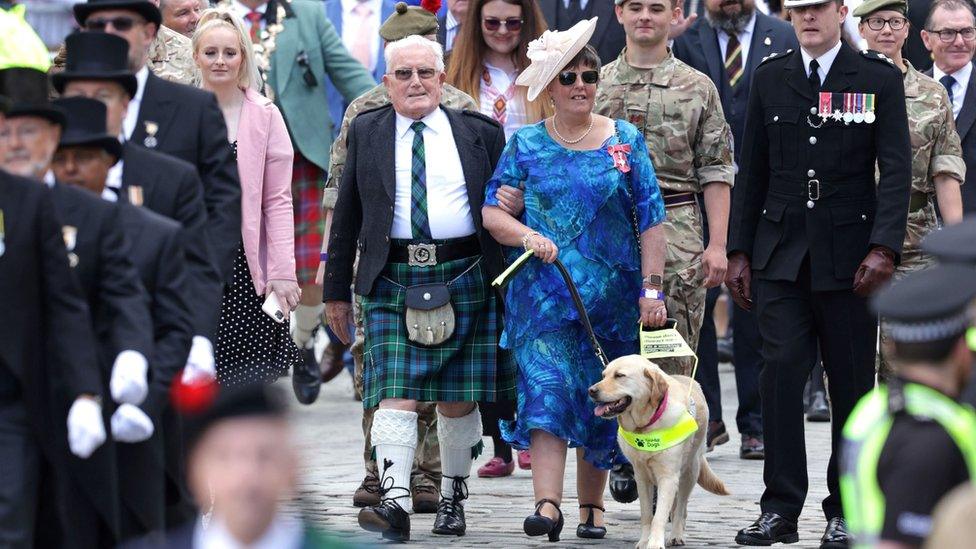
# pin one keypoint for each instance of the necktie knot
(418, 127)
(814, 67)
(814, 76)
(948, 81)
(254, 17)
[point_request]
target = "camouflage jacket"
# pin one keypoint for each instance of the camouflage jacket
(936, 149)
(170, 58)
(377, 97)
(680, 113)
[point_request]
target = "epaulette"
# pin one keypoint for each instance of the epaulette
(776, 55)
(877, 56)
(479, 114)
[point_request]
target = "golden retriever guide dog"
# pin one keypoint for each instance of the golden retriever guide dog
(658, 435)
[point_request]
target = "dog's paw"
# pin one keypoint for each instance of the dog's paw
(676, 542)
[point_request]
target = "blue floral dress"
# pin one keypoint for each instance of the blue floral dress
(587, 207)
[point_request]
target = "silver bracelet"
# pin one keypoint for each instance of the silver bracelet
(525, 239)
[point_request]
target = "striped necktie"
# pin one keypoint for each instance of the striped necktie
(419, 223)
(733, 60)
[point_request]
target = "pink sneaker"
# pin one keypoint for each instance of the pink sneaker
(495, 468)
(524, 460)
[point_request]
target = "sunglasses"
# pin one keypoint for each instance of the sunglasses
(120, 23)
(568, 78)
(492, 24)
(407, 74)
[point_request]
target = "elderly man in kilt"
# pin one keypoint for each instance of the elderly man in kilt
(430, 318)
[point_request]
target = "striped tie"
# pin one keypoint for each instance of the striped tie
(419, 224)
(733, 60)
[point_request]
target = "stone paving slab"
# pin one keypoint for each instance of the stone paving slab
(330, 439)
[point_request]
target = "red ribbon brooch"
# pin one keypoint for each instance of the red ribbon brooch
(619, 155)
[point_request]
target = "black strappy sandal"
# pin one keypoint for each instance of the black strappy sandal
(539, 524)
(588, 530)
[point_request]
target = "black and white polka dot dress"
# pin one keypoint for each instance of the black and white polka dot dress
(251, 347)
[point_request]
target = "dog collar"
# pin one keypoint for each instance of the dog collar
(661, 439)
(658, 412)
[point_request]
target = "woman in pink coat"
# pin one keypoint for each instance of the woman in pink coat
(251, 345)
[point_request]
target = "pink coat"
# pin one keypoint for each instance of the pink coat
(264, 161)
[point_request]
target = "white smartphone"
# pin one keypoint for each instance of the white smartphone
(273, 308)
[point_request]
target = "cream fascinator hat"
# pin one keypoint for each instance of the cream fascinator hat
(549, 54)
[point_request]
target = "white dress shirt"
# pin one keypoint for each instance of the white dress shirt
(350, 31)
(241, 11)
(745, 40)
(132, 113)
(448, 209)
(959, 88)
(583, 4)
(283, 533)
(451, 32)
(826, 61)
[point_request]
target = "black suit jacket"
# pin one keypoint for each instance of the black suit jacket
(172, 188)
(364, 210)
(771, 221)
(608, 39)
(964, 127)
(189, 125)
(699, 47)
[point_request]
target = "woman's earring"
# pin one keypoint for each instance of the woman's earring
(552, 102)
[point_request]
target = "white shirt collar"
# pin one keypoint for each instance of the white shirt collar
(240, 8)
(49, 179)
(284, 532)
(961, 76)
(825, 61)
(436, 122)
(141, 76)
(747, 31)
(450, 21)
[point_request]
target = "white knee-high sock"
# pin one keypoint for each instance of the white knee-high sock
(304, 321)
(457, 436)
(394, 436)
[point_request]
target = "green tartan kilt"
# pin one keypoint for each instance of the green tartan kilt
(468, 367)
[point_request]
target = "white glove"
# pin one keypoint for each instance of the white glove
(130, 424)
(86, 431)
(129, 384)
(200, 363)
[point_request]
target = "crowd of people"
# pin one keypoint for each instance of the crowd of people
(191, 195)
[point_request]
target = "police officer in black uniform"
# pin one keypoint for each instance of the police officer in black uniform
(812, 233)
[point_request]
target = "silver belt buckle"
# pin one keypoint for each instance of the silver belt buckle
(421, 255)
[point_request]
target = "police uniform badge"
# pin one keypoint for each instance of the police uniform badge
(135, 195)
(151, 129)
(70, 236)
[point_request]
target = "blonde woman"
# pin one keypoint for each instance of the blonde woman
(251, 346)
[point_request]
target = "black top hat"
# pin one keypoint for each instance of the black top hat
(85, 125)
(143, 7)
(26, 91)
(96, 56)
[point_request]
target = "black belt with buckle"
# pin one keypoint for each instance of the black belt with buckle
(428, 253)
(814, 189)
(672, 200)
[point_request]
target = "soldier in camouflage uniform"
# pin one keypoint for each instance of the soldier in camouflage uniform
(937, 164)
(680, 113)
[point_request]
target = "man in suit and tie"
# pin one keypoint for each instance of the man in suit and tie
(304, 49)
(383, 211)
(608, 38)
(950, 35)
(449, 24)
(46, 342)
(85, 154)
(727, 44)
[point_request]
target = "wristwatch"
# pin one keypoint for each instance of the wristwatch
(654, 280)
(652, 294)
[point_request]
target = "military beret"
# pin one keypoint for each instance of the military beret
(929, 305)
(409, 20)
(953, 244)
(870, 6)
(204, 404)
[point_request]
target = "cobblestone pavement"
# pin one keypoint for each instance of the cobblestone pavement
(330, 438)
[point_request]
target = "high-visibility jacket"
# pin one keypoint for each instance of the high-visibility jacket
(20, 46)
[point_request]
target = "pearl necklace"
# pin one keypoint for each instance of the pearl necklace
(571, 141)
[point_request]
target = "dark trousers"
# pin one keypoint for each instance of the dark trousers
(20, 462)
(748, 363)
(793, 320)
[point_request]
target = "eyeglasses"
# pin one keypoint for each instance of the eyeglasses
(878, 23)
(568, 78)
(949, 35)
(120, 23)
(407, 74)
(513, 24)
(25, 132)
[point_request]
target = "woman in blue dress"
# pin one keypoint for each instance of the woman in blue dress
(589, 190)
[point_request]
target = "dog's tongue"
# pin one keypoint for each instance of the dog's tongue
(599, 410)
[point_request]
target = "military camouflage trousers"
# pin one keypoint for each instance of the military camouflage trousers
(684, 280)
(920, 223)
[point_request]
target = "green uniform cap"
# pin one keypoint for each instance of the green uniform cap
(407, 20)
(870, 6)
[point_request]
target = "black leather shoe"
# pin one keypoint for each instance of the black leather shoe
(716, 435)
(623, 487)
(587, 529)
(752, 447)
(541, 525)
(450, 512)
(768, 529)
(835, 536)
(818, 411)
(387, 518)
(305, 378)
